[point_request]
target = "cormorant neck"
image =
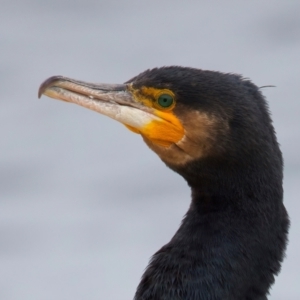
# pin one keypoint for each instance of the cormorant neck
(227, 247)
(255, 181)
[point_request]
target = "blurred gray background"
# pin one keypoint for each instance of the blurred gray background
(83, 202)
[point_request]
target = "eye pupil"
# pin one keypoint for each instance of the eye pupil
(165, 100)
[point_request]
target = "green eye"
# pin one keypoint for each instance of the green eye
(165, 100)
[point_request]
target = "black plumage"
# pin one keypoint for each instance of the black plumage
(232, 240)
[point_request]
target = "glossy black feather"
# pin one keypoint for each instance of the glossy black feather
(231, 242)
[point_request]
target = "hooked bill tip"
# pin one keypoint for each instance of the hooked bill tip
(47, 83)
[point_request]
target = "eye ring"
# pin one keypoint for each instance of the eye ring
(165, 100)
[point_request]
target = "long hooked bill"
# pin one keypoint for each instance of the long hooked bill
(112, 100)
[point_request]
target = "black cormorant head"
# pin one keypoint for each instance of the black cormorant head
(185, 115)
(215, 130)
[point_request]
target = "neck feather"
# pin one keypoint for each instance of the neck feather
(229, 245)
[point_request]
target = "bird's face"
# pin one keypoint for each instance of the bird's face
(174, 136)
(153, 106)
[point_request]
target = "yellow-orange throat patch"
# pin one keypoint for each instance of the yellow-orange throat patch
(166, 130)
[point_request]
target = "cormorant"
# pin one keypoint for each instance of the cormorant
(215, 130)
